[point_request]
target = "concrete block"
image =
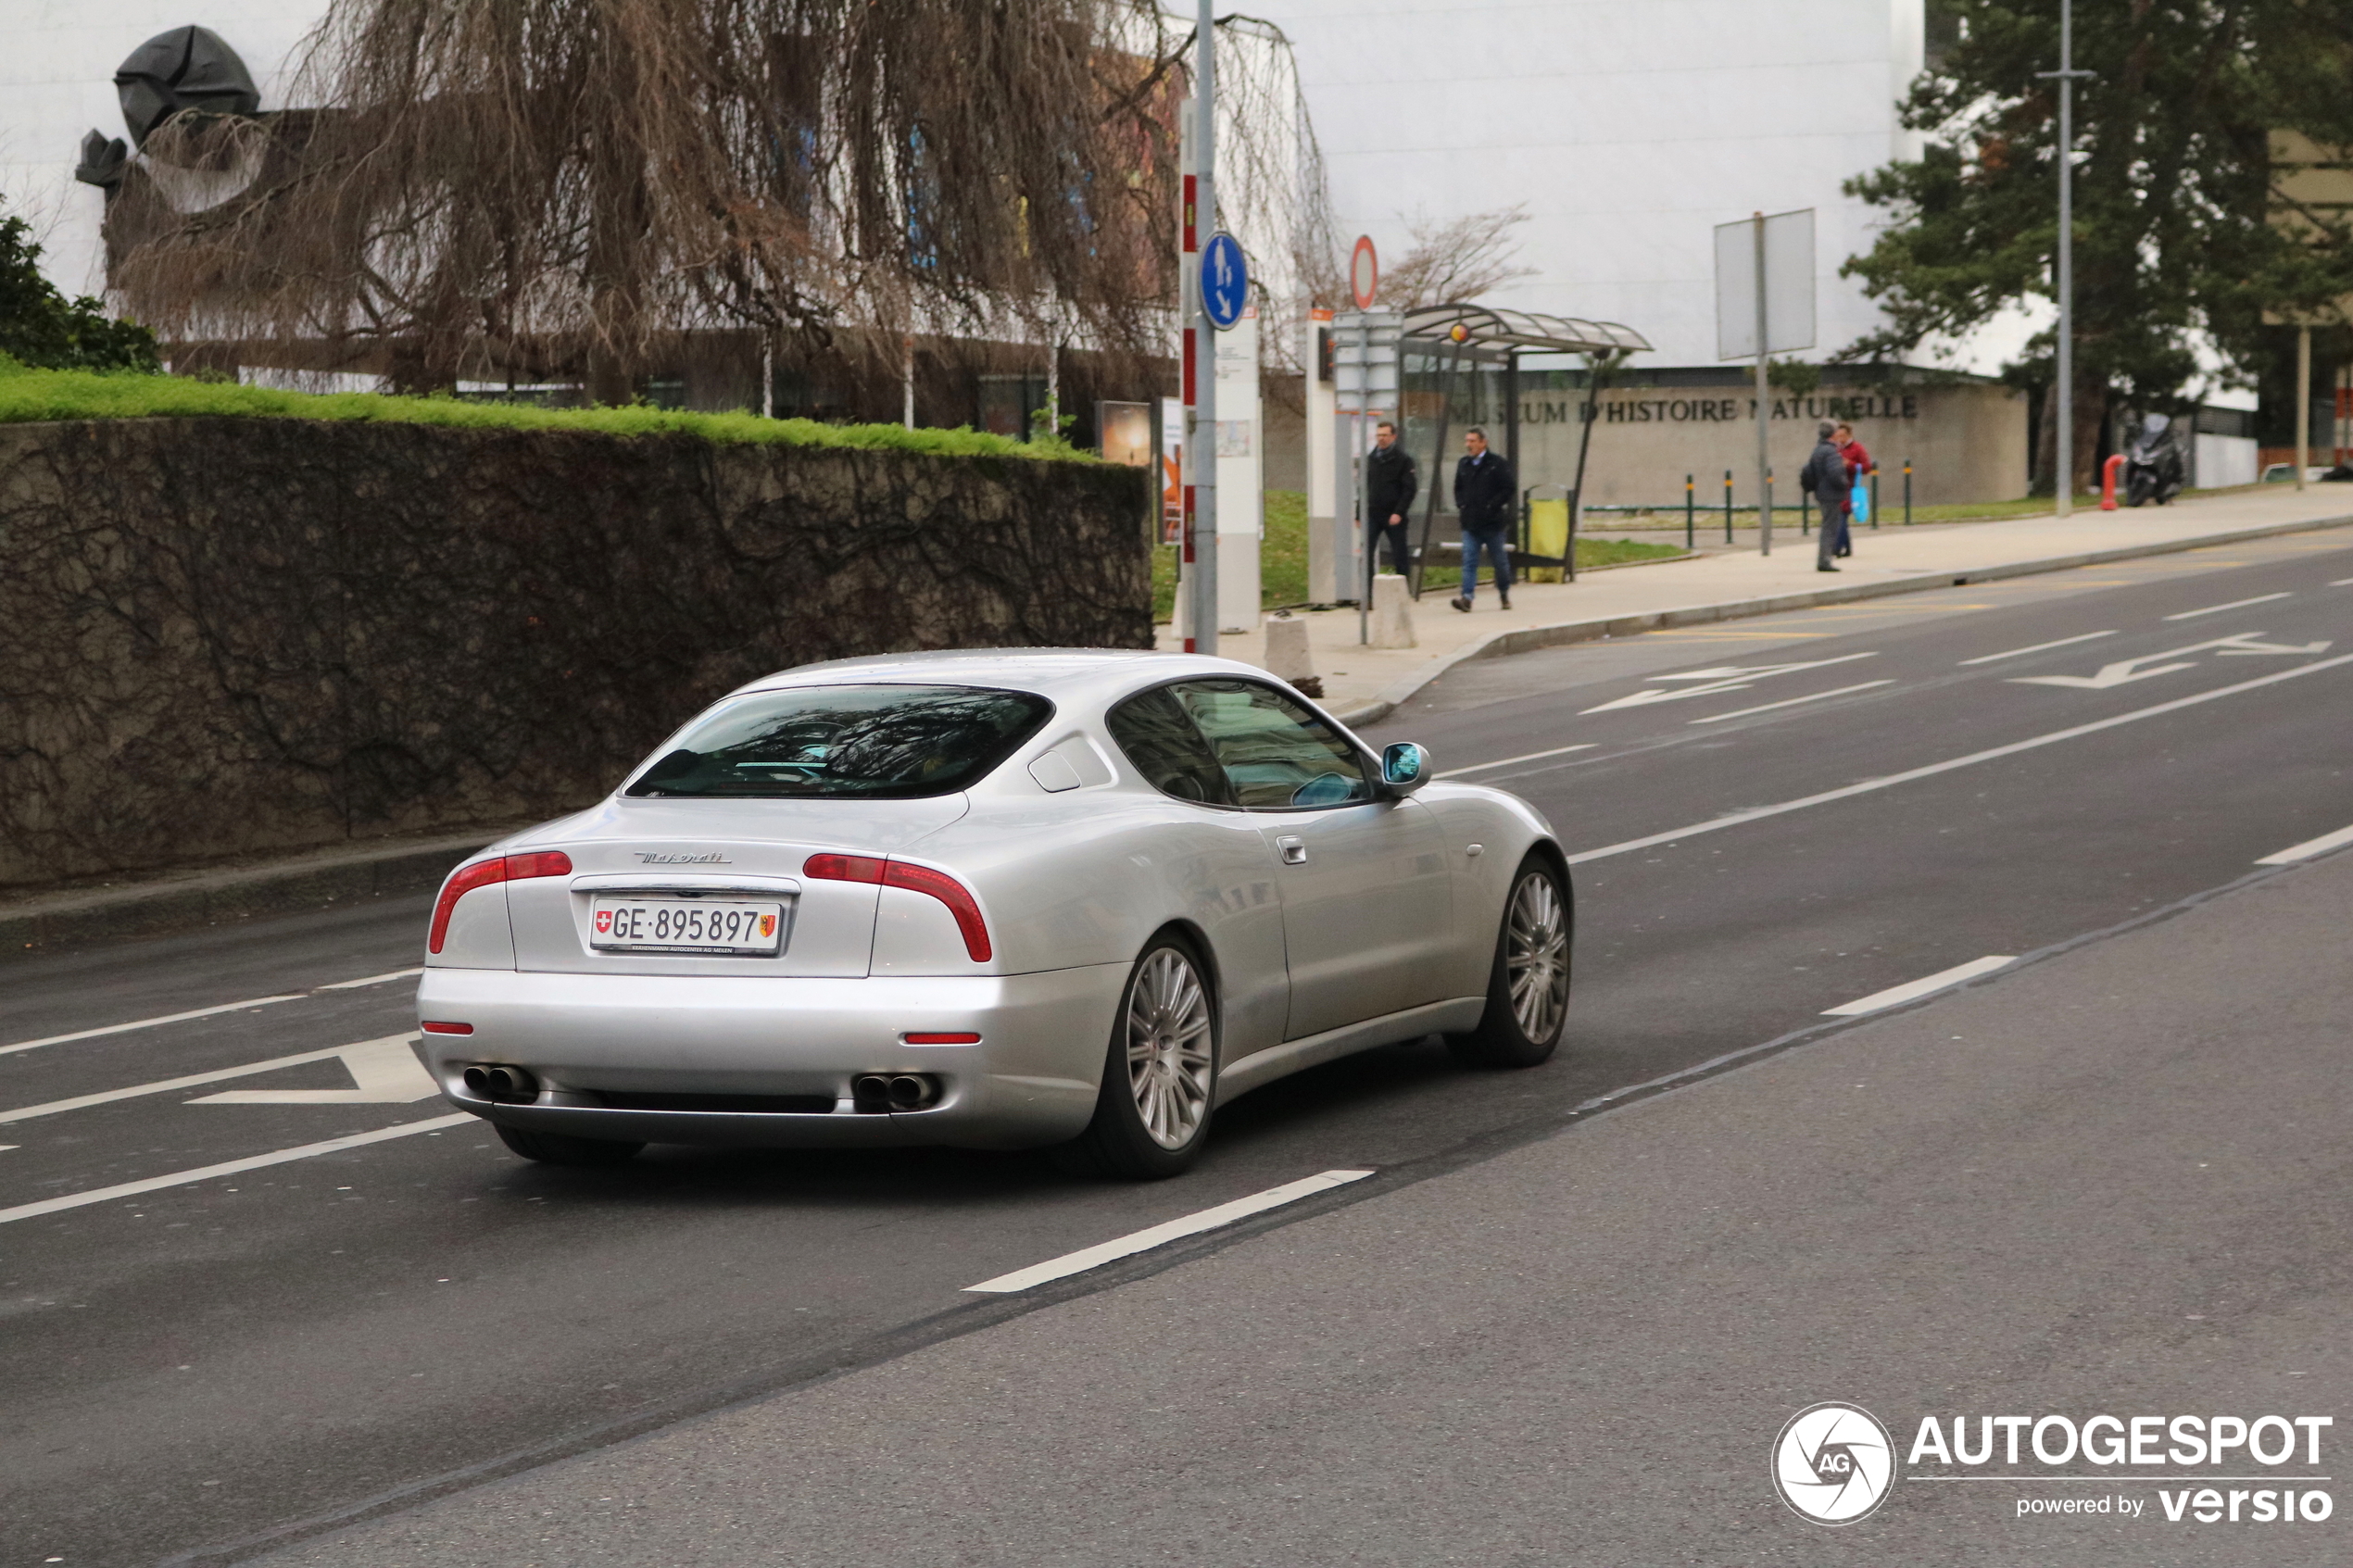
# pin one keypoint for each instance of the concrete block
(1392, 618)
(1286, 656)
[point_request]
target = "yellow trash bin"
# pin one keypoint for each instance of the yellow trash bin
(1547, 535)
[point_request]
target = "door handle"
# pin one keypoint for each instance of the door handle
(1294, 849)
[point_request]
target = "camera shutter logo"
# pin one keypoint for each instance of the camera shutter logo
(1833, 1463)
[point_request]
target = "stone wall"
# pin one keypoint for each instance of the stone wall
(1966, 442)
(225, 637)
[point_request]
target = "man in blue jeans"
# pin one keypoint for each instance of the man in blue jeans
(1486, 496)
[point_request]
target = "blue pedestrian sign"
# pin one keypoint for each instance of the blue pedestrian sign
(1225, 280)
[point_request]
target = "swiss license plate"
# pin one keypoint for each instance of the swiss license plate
(687, 926)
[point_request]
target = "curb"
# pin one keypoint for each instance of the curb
(192, 902)
(1527, 639)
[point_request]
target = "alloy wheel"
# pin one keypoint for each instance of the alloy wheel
(1536, 957)
(1169, 1059)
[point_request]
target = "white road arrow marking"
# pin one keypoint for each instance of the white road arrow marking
(375, 1054)
(387, 1072)
(2124, 671)
(1731, 678)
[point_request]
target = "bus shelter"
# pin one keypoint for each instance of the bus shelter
(1459, 366)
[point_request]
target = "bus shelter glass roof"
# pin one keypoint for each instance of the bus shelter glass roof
(1484, 326)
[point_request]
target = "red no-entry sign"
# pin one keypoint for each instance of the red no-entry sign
(1363, 271)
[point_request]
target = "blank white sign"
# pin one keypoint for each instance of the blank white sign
(1789, 285)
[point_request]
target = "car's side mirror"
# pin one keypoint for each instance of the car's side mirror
(1404, 767)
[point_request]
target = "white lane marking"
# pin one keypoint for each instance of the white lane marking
(2343, 583)
(229, 1168)
(2124, 671)
(163, 1018)
(2038, 648)
(385, 1071)
(1531, 757)
(1896, 994)
(2235, 604)
(2309, 849)
(1731, 678)
(1088, 1258)
(373, 980)
(150, 1022)
(1740, 819)
(371, 1062)
(1789, 702)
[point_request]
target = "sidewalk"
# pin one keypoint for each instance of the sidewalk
(1363, 684)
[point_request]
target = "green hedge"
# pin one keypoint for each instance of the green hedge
(27, 395)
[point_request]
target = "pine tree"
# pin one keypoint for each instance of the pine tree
(2174, 188)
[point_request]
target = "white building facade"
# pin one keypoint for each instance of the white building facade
(57, 60)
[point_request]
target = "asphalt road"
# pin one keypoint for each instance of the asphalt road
(214, 1368)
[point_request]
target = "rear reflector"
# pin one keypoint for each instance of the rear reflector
(914, 879)
(843, 868)
(483, 874)
(932, 1039)
(432, 1027)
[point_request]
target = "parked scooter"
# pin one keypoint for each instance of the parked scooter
(2154, 469)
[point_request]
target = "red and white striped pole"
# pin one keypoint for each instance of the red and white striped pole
(1198, 576)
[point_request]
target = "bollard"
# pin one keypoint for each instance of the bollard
(1689, 498)
(1875, 497)
(2108, 470)
(1393, 625)
(1908, 492)
(1286, 656)
(1728, 506)
(1806, 512)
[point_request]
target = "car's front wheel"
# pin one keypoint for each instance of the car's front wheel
(1160, 1075)
(1528, 987)
(563, 1149)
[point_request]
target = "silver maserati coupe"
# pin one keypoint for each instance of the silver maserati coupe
(1003, 898)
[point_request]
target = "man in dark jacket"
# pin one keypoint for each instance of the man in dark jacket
(1390, 484)
(1487, 498)
(1824, 478)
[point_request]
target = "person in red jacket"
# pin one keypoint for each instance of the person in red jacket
(1858, 465)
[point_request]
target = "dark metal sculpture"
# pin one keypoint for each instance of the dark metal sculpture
(187, 70)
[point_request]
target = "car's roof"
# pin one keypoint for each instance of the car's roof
(1064, 674)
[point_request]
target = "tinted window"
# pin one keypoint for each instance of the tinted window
(870, 742)
(1166, 749)
(1278, 753)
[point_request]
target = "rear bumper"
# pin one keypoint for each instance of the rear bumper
(1031, 1080)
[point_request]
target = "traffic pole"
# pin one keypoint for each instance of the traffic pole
(1200, 349)
(1764, 409)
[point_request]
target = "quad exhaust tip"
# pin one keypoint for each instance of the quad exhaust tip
(507, 1086)
(894, 1091)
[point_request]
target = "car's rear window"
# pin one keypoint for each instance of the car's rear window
(873, 742)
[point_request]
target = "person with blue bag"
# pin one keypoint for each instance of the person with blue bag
(1858, 495)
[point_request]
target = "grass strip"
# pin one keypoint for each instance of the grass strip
(41, 395)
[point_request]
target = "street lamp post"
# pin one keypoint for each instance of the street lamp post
(2066, 74)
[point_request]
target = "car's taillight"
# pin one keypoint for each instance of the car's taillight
(481, 873)
(948, 891)
(914, 879)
